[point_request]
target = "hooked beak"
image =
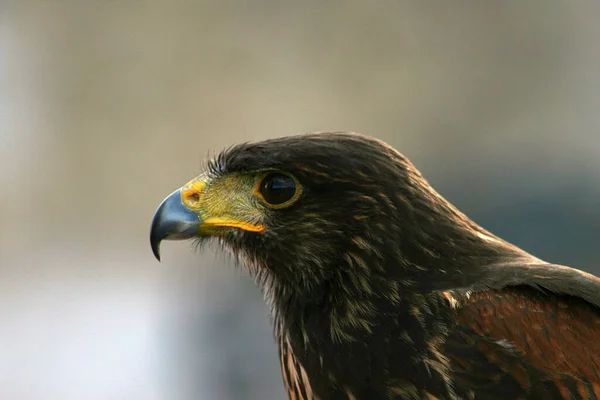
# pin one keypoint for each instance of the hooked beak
(202, 208)
(173, 220)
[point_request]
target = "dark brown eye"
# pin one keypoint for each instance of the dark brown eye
(277, 189)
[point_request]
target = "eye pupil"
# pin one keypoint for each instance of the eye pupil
(277, 188)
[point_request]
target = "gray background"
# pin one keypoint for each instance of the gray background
(107, 106)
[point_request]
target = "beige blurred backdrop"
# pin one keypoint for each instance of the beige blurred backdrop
(108, 106)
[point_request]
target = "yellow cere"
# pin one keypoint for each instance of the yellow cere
(193, 191)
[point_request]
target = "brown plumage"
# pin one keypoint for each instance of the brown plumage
(548, 322)
(379, 287)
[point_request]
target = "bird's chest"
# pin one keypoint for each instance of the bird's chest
(328, 354)
(324, 370)
(370, 367)
(308, 375)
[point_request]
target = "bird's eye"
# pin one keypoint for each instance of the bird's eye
(278, 190)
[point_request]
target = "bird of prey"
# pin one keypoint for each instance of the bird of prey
(379, 287)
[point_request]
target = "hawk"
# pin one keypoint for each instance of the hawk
(382, 289)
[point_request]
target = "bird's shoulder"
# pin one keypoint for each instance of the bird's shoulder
(527, 330)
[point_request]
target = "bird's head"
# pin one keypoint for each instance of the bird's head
(303, 209)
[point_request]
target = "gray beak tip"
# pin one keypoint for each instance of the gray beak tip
(172, 221)
(155, 244)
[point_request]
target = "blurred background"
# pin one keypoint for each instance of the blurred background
(108, 106)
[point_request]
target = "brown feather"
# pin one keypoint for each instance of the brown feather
(554, 337)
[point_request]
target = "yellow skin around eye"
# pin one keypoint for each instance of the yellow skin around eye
(257, 193)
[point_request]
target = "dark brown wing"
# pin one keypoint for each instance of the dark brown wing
(537, 337)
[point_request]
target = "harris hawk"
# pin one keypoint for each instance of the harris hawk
(379, 287)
